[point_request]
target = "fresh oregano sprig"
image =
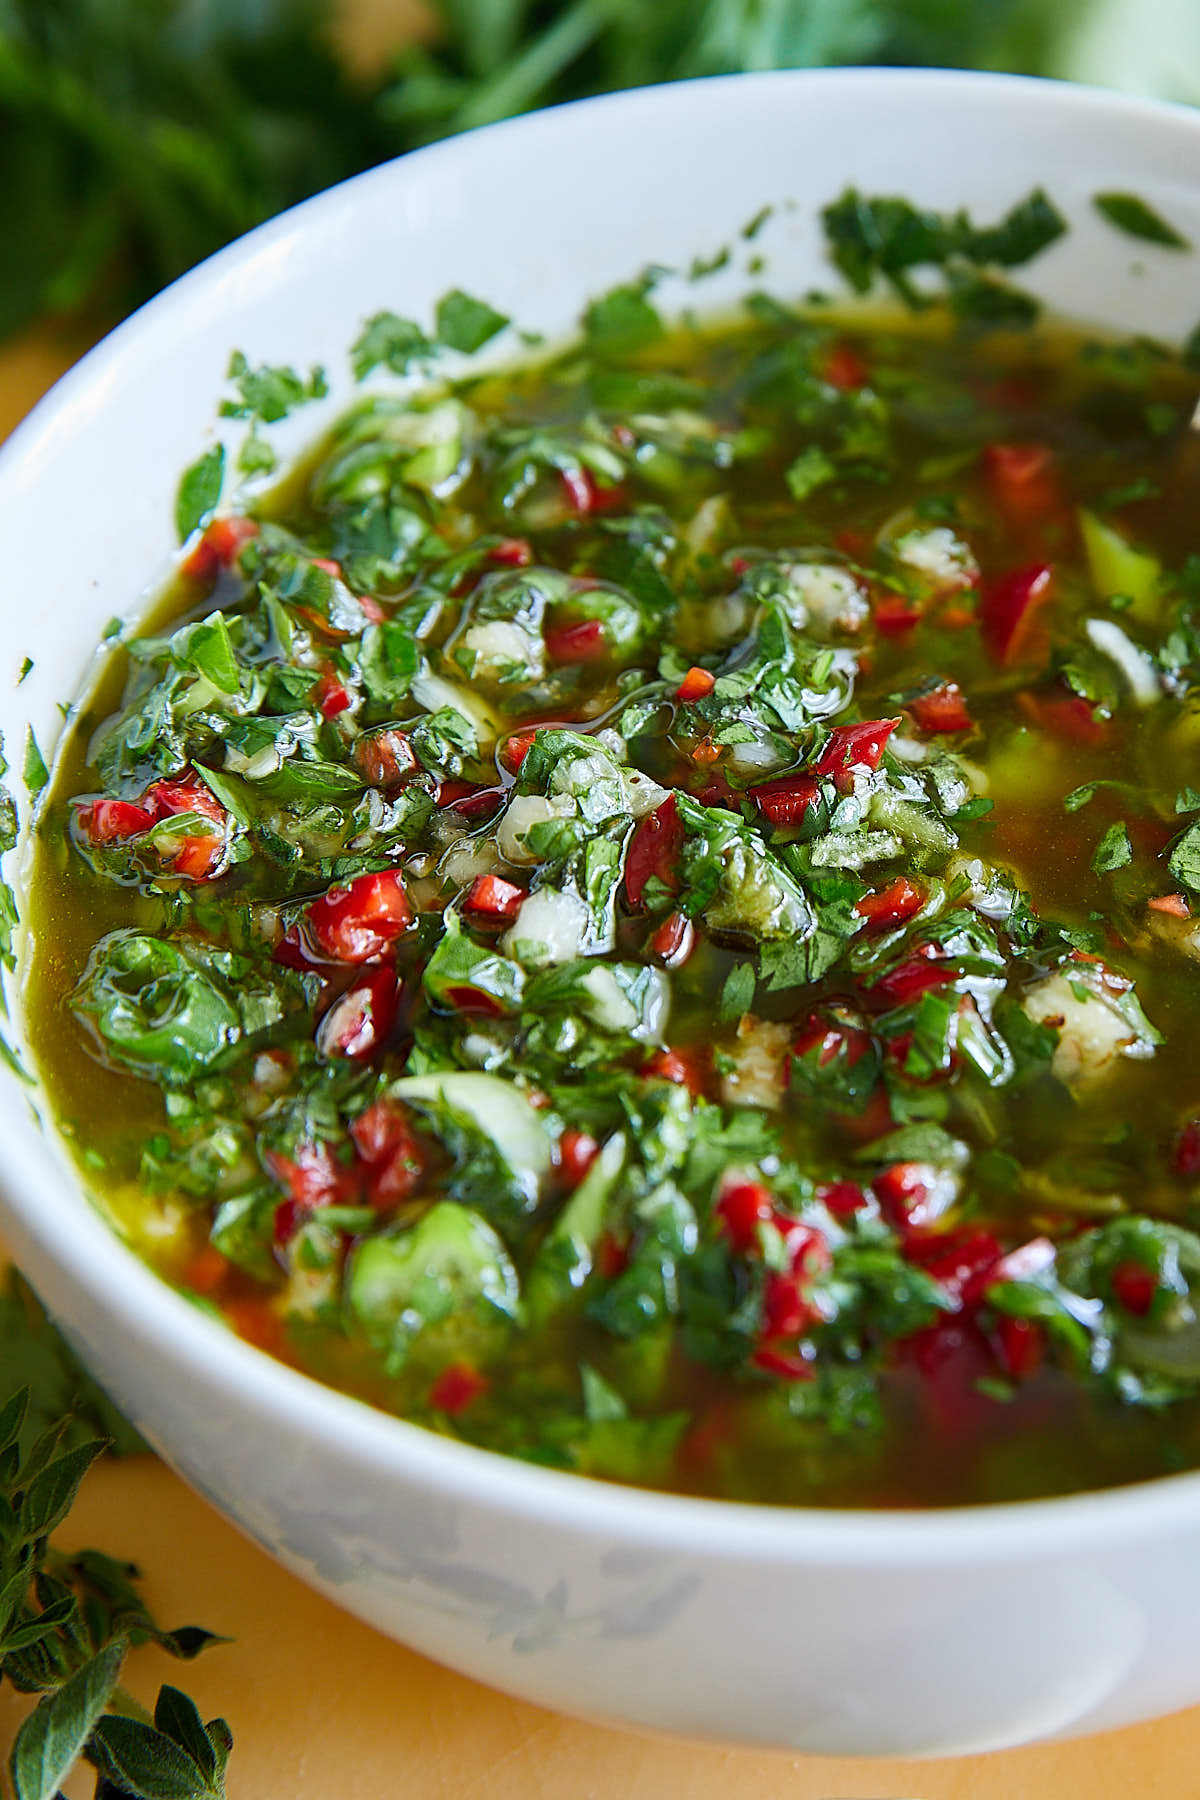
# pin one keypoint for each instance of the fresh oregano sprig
(68, 1621)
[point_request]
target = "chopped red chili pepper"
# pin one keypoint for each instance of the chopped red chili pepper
(456, 1388)
(654, 851)
(893, 905)
(673, 941)
(697, 684)
(395, 1163)
(684, 1067)
(218, 548)
(1020, 1345)
(360, 1021)
(943, 709)
(512, 553)
(577, 1151)
(358, 922)
(582, 642)
(1186, 1161)
(1008, 608)
(786, 800)
(842, 367)
(741, 1209)
(385, 758)
(1135, 1287)
(585, 494)
(490, 900)
(1023, 481)
(851, 747)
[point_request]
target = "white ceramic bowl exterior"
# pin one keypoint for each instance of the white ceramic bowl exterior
(946, 1632)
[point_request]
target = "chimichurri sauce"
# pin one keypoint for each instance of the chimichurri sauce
(642, 913)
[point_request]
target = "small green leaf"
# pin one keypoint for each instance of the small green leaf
(36, 772)
(51, 1493)
(210, 652)
(387, 339)
(811, 470)
(1079, 796)
(622, 320)
(1132, 216)
(463, 323)
(199, 491)
(1184, 860)
(52, 1737)
(1114, 849)
(175, 1715)
(143, 1762)
(737, 995)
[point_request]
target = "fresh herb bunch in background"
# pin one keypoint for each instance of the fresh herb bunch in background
(137, 136)
(68, 1621)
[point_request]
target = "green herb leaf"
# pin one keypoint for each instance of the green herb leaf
(621, 321)
(146, 1763)
(51, 1739)
(1134, 217)
(388, 340)
(1114, 849)
(1184, 860)
(463, 323)
(36, 773)
(199, 491)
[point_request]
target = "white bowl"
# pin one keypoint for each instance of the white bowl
(949, 1631)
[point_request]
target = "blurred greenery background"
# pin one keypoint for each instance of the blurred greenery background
(137, 136)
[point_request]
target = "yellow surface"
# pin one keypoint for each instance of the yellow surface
(322, 1708)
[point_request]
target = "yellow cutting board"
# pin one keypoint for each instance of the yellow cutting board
(323, 1708)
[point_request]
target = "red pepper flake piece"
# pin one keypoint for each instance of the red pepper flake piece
(466, 999)
(673, 942)
(785, 800)
(654, 851)
(792, 1365)
(218, 548)
(1023, 482)
(469, 799)
(697, 684)
(582, 642)
(963, 1262)
(385, 758)
(686, 1068)
(916, 975)
(1174, 905)
(457, 1388)
(328, 566)
(492, 901)
(112, 821)
(1008, 607)
(943, 709)
(741, 1209)
(851, 747)
(360, 1021)
(512, 553)
(332, 695)
(1020, 1346)
(842, 1198)
(577, 1151)
(894, 615)
(516, 748)
(385, 1140)
(890, 906)
(205, 1272)
(311, 1179)
(358, 922)
(842, 367)
(1186, 1161)
(1135, 1287)
(586, 496)
(256, 1321)
(1064, 715)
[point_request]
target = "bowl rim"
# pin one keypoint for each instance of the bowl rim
(98, 1261)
